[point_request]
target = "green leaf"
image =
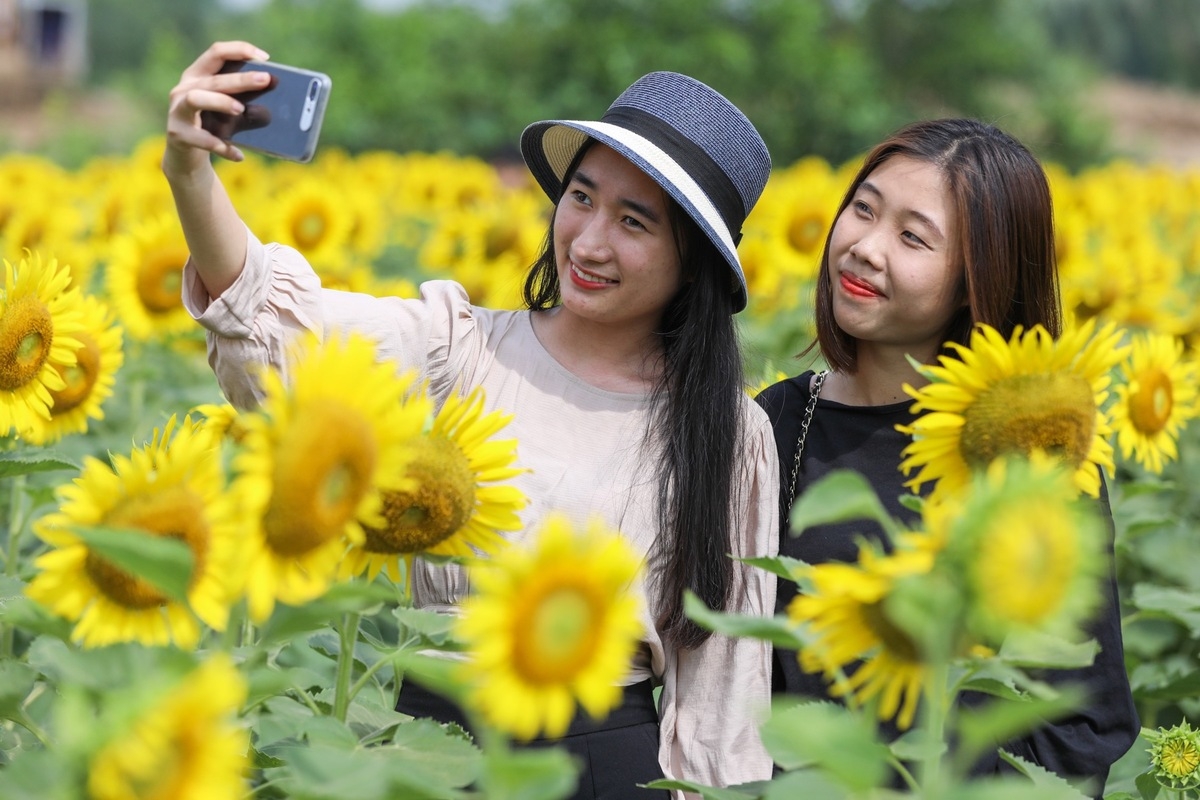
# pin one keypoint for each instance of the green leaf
(1177, 604)
(778, 630)
(345, 597)
(783, 566)
(1046, 651)
(707, 792)
(534, 774)
(804, 783)
(1148, 785)
(1045, 783)
(841, 496)
(839, 742)
(985, 727)
(28, 462)
(160, 560)
(16, 681)
(432, 628)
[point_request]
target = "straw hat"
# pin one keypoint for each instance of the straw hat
(686, 136)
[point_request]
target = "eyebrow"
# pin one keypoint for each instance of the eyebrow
(912, 212)
(634, 205)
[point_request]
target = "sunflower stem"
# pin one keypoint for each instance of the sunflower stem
(16, 524)
(936, 709)
(348, 632)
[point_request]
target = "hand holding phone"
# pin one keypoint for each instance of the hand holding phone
(282, 120)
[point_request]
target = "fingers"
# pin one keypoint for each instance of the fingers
(202, 88)
(212, 59)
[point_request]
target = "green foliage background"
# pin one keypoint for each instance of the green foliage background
(819, 77)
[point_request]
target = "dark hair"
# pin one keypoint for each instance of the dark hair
(696, 422)
(1005, 235)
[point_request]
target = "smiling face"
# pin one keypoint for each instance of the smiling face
(618, 261)
(894, 267)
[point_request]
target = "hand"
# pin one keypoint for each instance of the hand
(202, 87)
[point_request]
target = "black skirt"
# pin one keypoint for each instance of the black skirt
(616, 753)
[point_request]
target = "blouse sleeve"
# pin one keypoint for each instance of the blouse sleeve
(716, 695)
(278, 297)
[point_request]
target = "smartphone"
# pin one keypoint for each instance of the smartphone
(282, 120)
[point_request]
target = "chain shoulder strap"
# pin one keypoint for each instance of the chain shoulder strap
(804, 423)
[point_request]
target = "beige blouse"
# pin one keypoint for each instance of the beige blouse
(583, 450)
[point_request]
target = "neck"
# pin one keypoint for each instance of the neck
(878, 382)
(612, 357)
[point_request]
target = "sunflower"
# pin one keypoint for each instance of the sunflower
(1030, 551)
(188, 747)
(1175, 757)
(40, 320)
(845, 612)
(311, 216)
(1029, 393)
(458, 502)
(144, 279)
(173, 487)
(314, 462)
(1156, 397)
(550, 624)
(88, 382)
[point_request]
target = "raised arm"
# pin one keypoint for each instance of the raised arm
(215, 233)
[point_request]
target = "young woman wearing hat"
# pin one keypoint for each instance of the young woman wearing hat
(628, 339)
(948, 223)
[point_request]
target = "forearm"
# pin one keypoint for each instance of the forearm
(215, 234)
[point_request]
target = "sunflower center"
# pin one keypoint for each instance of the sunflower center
(79, 378)
(1055, 413)
(439, 506)
(1180, 757)
(26, 333)
(323, 469)
(174, 513)
(1025, 563)
(159, 282)
(557, 638)
(1150, 406)
(308, 229)
(895, 641)
(499, 239)
(805, 232)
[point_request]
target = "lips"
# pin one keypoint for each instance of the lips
(589, 279)
(857, 286)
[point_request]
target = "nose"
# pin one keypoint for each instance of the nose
(591, 243)
(868, 249)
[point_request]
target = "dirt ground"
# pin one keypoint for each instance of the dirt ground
(1150, 124)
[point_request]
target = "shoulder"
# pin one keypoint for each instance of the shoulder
(779, 399)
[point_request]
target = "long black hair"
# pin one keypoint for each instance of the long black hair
(695, 423)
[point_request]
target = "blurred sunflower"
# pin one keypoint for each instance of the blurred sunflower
(1031, 551)
(550, 624)
(40, 319)
(188, 747)
(458, 502)
(311, 216)
(1155, 399)
(173, 487)
(89, 381)
(314, 462)
(144, 279)
(1029, 393)
(845, 611)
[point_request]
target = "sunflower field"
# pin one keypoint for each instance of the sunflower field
(201, 602)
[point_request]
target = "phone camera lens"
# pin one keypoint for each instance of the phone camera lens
(312, 90)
